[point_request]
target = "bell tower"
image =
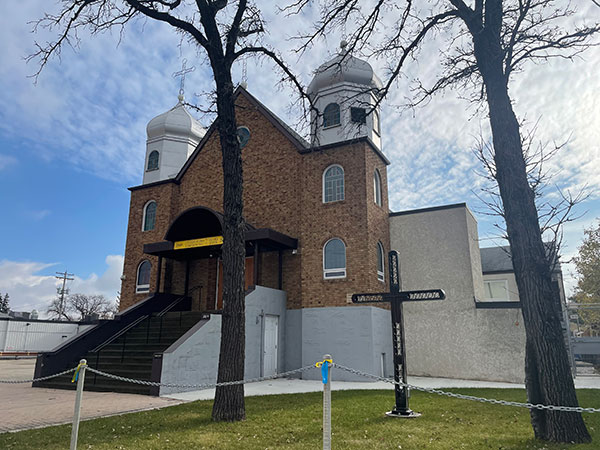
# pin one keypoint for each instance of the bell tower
(345, 91)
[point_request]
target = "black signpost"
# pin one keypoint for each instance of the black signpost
(397, 297)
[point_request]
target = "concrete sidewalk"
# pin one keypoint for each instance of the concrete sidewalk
(293, 386)
(23, 407)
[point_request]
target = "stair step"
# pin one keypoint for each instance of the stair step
(131, 355)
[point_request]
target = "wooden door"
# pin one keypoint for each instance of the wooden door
(248, 279)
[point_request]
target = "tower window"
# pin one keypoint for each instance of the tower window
(376, 124)
(149, 216)
(358, 115)
(333, 184)
(143, 277)
(377, 187)
(380, 262)
(152, 161)
(331, 115)
(334, 259)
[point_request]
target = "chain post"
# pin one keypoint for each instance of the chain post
(326, 372)
(80, 377)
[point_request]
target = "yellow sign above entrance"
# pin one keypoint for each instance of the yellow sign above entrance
(202, 242)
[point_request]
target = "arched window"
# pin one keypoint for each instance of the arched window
(334, 259)
(331, 115)
(153, 161)
(143, 277)
(377, 187)
(380, 262)
(149, 216)
(333, 184)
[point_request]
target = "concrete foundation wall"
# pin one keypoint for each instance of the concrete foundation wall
(194, 358)
(451, 338)
(355, 336)
(293, 339)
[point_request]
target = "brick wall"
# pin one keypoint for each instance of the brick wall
(356, 220)
(283, 191)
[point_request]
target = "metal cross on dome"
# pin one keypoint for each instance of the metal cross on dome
(184, 70)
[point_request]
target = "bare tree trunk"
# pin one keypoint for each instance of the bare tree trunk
(548, 377)
(229, 400)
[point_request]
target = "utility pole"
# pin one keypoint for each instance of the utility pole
(64, 276)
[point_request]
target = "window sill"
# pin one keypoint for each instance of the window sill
(334, 278)
(332, 202)
(332, 126)
(495, 304)
(152, 170)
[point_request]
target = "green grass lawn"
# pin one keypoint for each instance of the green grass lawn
(294, 421)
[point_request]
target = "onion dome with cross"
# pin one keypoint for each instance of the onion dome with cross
(172, 137)
(345, 92)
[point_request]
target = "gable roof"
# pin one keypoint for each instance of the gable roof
(294, 137)
(498, 259)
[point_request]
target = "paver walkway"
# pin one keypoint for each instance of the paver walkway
(22, 406)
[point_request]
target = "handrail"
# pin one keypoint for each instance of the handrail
(170, 306)
(120, 333)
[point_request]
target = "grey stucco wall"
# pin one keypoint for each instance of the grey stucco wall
(293, 339)
(260, 302)
(354, 336)
(451, 338)
(194, 358)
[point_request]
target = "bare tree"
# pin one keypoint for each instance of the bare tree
(489, 41)
(80, 306)
(58, 308)
(84, 306)
(224, 31)
(4, 303)
(554, 211)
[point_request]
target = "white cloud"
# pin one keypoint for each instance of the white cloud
(91, 107)
(29, 286)
(7, 161)
(38, 214)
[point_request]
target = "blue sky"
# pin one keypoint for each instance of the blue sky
(71, 144)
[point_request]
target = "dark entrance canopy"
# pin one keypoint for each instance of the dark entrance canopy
(200, 222)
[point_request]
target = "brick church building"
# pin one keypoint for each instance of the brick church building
(318, 229)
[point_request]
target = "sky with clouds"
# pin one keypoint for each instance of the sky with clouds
(71, 143)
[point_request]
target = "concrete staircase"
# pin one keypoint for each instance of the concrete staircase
(130, 353)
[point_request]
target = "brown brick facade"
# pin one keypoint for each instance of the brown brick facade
(282, 191)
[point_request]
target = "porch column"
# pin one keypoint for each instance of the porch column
(187, 277)
(158, 275)
(280, 271)
(256, 256)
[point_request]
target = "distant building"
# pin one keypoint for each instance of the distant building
(21, 334)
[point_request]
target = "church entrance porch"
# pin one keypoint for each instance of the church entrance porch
(190, 264)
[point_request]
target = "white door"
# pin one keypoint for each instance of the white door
(270, 338)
